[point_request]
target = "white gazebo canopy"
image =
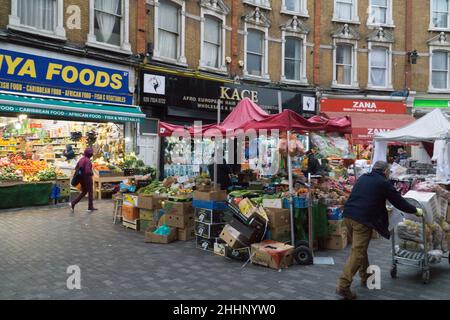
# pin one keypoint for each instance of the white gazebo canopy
(433, 126)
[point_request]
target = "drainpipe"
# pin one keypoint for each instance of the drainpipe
(317, 29)
(234, 37)
(408, 42)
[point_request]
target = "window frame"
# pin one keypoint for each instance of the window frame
(389, 84)
(432, 27)
(267, 6)
(222, 68)
(431, 89)
(389, 16)
(355, 17)
(59, 33)
(265, 59)
(354, 81)
(181, 57)
(125, 46)
(303, 78)
(303, 9)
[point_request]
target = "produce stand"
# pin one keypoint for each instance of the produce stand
(23, 194)
(99, 181)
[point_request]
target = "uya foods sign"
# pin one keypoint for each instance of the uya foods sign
(363, 106)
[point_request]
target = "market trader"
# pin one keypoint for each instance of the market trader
(364, 211)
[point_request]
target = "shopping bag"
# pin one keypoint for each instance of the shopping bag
(76, 179)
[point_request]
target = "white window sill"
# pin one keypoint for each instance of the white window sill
(294, 13)
(42, 33)
(369, 87)
(345, 86)
(435, 29)
(257, 5)
(170, 61)
(106, 46)
(257, 78)
(222, 71)
(431, 90)
(356, 21)
(303, 82)
(382, 25)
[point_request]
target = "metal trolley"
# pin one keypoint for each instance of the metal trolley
(419, 259)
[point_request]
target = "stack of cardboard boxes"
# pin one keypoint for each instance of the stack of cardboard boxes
(130, 211)
(149, 207)
(337, 232)
(210, 217)
(279, 220)
(180, 215)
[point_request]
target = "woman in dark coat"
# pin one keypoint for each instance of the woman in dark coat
(87, 184)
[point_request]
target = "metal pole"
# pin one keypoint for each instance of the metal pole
(291, 191)
(280, 103)
(216, 148)
(310, 215)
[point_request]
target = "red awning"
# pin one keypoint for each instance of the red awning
(364, 126)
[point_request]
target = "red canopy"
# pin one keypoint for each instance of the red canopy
(289, 120)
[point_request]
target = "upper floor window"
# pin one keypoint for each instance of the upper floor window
(439, 70)
(379, 67)
(344, 64)
(44, 17)
(293, 59)
(345, 10)
(109, 24)
(212, 42)
(255, 52)
(380, 13)
(295, 7)
(439, 14)
(259, 3)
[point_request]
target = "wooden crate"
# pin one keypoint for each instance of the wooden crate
(131, 224)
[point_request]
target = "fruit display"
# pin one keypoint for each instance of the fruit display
(155, 187)
(9, 174)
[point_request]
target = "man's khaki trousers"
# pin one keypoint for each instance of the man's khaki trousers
(360, 236)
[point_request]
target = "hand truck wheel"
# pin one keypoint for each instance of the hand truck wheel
(303, 256)
(426, 276)
(394, 272)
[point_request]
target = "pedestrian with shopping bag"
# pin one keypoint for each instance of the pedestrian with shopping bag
(83, 176)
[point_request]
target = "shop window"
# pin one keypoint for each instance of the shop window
(44, 17)
(169, 31)
(380, 13)
(255, 52)
(295, 7)
(345, 10)
(344, 64)
(379, 67)
(440, 72)
(439, 14)
(293, 59)
(109, 23)
(212, 42)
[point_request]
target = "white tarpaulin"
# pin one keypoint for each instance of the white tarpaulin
(431, 127)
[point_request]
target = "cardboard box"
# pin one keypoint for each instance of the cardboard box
(247, 207)
(443, 206)
(213, 195)
(130, 200)
(219, 249)
(272, 254)
(130, 212)
(280, 234)
(162, 220)
(181, 222)
(178, 208)
(233, 238)
(131, 224)
(249, 234)
(273, 203)
(242, 254)
(146, 224)
(145, 214)
(150, 202)
(278, 217)
(205, 244)
(428, 200)
(151, 237)
(338, 242)
(209, 216)
(336, 227)
(208, 230)
(186, 234)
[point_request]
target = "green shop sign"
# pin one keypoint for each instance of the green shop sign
(431, 103)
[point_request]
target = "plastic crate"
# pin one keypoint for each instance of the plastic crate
(211, 205)
(299, 203)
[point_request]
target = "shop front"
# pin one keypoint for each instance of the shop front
(369, 117)
(181, 99)
(51, 110)
(422, 106)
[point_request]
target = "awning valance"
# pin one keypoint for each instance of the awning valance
(69, 109)
(365, 126)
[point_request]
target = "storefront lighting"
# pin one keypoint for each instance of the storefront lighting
(22, 117)
(127, 139)
(17, 125)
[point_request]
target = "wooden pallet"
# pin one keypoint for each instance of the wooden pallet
(131, 224)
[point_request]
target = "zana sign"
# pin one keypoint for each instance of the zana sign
(37, 75)
(363, 106)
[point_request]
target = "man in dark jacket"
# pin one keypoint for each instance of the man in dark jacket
(364, 212)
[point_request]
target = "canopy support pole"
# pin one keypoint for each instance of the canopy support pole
(216, 147)
(291, 191)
